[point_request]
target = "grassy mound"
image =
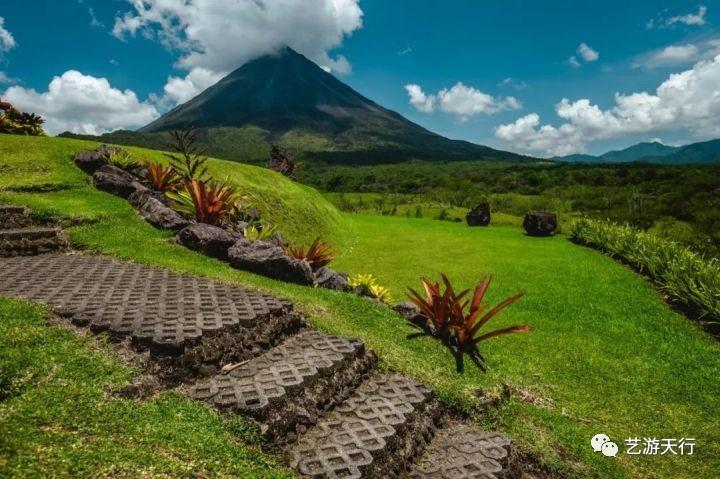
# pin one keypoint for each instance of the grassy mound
(605, 355)
(42, 169)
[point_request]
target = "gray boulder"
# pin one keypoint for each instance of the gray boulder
(207, 239)
(411, 312)
(540, 223)
(89, 161)
(116, 181)
(479, 216)
(161, 216)
(266, 259)
(139, 198)
(330, 279)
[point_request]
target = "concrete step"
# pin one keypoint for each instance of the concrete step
(376, 433)
(190, 325)
(30, 241)
(288, 387)
(14, 217)
(459, 451)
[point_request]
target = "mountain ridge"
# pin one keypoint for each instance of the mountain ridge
(701, 153)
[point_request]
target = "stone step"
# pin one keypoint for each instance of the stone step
(459, 451)
(289, 386)
(30, 241)
(190, 325)
(14, 217)
(376, 433)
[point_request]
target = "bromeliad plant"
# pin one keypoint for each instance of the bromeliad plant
(367, 285)
(163, 178)
(318, 254)
(206, 201)
(457, 318)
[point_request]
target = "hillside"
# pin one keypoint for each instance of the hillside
(287, 98)
(703, 153)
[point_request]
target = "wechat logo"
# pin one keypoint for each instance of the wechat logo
(602, 443)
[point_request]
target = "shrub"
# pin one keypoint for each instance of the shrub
(120, 158)
(163, 178)
(366, 285)
(457, 325)
(282, 162)
(206, 201)
(16, 122)
(318, 254)
(264, 232)
(682, 274)
(191, 164)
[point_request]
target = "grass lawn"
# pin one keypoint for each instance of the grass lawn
(605, 355)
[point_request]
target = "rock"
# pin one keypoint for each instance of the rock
(411, 312)
(139, 198)
(479, 216)
(264, 258)
(540, 223)
(160, 215)
(330, 279)
(140, 171)
(116, 181)
(253, 215)
(89, 161)
(210, 240)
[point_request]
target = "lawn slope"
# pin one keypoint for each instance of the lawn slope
(605, 355)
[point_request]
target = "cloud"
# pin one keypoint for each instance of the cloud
(83, 104)
(678, 55)
(405, 51)
(689, 100)
(7, 41)
(221, 35)
(422, 102)
(511, 82)
(587, 53)
(690, 19)
(5, 79)
(94, 21)
(181, 90)
(460, 100)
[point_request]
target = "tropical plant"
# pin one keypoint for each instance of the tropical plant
(188, 160)
(263, 233)
(366, 285)
(205, 201)
(120, 157)
(682, 274)
(458, 325)
(318, 254)
(19, 123)
(282, 162)
(163, 178)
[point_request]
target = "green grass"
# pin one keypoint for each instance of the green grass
(60, 418)
(605, 349)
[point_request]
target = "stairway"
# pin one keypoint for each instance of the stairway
(318, 397)
(20, 235)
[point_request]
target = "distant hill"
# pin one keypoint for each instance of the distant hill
(287, 98)
(707, 152)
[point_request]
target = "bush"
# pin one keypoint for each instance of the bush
(15, 122)
(681, 273)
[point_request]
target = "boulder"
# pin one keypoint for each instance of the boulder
(479, 216)
(116, 181)
(89, 161)
(540, 223)
(139, 198)
(210, 240)
(266, 259)
(411, 312)
(161, 216)
(330, 279)
(140, 171)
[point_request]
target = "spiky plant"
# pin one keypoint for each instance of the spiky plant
(263, 233)
(318, 254)
(206, 201)
(163, 178)
(187, 159)
(367, 285)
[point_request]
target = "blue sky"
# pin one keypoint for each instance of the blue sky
(484, 71)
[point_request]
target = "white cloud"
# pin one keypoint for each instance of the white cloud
(83, 104)
(691, 19)
(460, 100)
(511, 82)
(7, 41)
(678, 55)
(181, 90)
(422, 102)
(221, 35)
(689, 100)
(5, 79)
(587, 53)
(573, 61)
